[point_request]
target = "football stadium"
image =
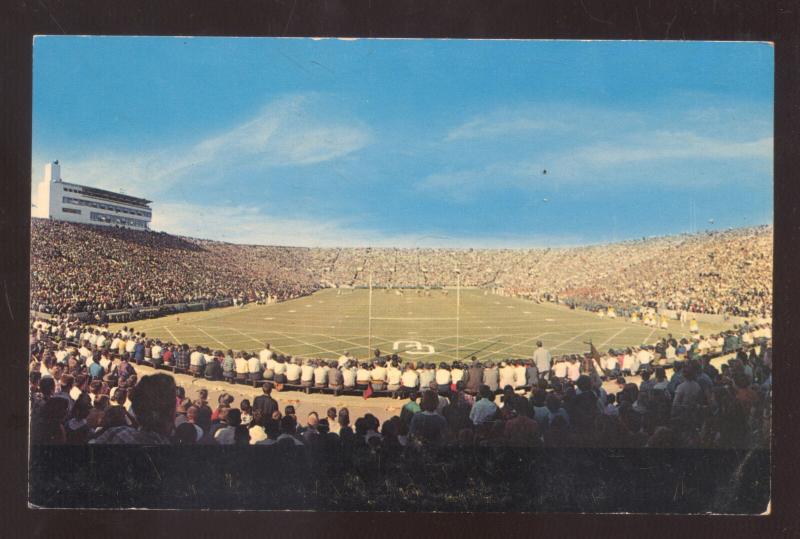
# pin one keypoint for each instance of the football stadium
(417, 275)
(318, 342)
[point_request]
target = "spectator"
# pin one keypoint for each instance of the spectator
(153, 403)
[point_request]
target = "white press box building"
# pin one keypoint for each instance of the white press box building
(89, 205)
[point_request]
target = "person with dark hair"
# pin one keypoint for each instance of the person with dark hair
(49, 428)
(485, 409)
(226, 435)
(247, 412)
(228, 367)
(95, 418)
(335, 376)
(185, 434)
(182, 357)
(241, 435)
(65, 388)
(153, 403)
(213, 370)
(474, 378)
(457, 412)
(428, 427)
(330, 416)
(410, 408)
(519, 430)
(77, 429)
(288, 431)
(265, 403)
(689, 394)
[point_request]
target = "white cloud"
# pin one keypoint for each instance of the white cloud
(40, 198)
(619, 161)
(255, 225)
(674, 145)
(498, 125)
(286, 132)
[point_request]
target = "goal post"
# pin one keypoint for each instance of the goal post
(456, 318)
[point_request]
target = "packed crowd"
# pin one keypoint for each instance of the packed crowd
(77, 268)
(85, 389)
(83, 268)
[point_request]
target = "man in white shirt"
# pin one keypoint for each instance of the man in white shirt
(155, 351)
(105, 361)
(560, 369)
(254, 368)
(378, 377)
(442, 376)
(393, 377)
(507, 375)
(307, 374)
(348, 376)
(410, 378)
(84, 351)
(543, 360)
(279, 368)
(130, 345)
(265, 355)
(321, 375)
(241, 368)
(292, 372)
(61, 354)
(645, 357)
(426, 375)
(196, 362)
(343, 359)
(101, 340)
(573, 369)
(362, 374)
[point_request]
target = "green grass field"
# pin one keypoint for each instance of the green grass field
(416, 327)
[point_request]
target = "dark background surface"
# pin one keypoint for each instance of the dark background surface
(699, 19)
(455, 480)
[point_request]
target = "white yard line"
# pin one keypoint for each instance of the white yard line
(414, 318)
(612, 337)
(177, 340)
(248, 336)
(307, 343)
(559, 345)
(213, 338)
(522, 342)
(649, 335)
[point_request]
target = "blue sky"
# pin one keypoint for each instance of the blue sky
(412, 142)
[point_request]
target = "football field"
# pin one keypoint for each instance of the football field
(414, 325)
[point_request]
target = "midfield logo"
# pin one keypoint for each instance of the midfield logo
(414, 348)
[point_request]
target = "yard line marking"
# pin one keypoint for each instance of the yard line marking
(414, 318)
(177, 340)
(520, 343)
(212, 337)
(308, 343)
(648, 336)
(248, 336)
(613, 336)
(571, 339)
